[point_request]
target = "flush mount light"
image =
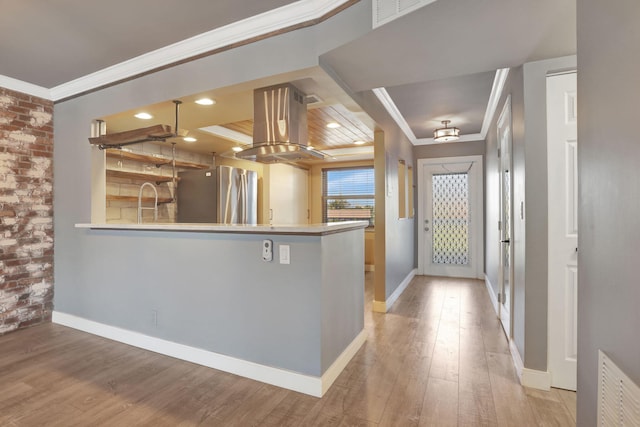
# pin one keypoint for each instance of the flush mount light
(236, 149)
(359, 142)
(189, 139)
(309, 147)
(205, 101)
(143, 116)
(333, 125)
(446, 133)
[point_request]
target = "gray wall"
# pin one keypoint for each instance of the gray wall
(609, 175)
(394, 238)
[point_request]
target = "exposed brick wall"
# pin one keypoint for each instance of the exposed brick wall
(26, 210)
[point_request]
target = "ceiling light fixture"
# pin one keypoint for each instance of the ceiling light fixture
(189, 139)
(446, 133)
(143, 116)
(205, 101)
(360, 142)
(237, 149)
(333, 125)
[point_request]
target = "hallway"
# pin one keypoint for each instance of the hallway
(438, 358)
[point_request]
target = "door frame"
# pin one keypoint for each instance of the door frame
(477, 212)
(505, 120)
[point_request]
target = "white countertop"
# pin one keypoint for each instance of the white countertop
(300, 229)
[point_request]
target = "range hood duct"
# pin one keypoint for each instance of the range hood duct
(279, 126)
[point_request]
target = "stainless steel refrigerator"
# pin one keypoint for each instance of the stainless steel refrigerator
(224, 195)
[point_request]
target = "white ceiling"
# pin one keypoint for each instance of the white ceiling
(436, 63)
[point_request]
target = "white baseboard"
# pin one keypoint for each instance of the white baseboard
(492, 294)
(531, 378)
(307, 384)
(341, 362)
(384, 306)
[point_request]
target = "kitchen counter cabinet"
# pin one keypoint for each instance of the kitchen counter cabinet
(203, 293)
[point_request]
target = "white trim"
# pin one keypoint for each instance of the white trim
(540, 380)
(24, 87)
(283, 17)
(496, 93)
(307, 384)
(384, 97)
(332, 373)
(492, 295)
(379, 306)
(517, 360)
(531, 378)
(384, 306)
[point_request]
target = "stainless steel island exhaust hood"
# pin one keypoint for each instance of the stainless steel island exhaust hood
(279, 126)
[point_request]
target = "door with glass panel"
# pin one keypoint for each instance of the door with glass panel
(505, 295)
(451, 218)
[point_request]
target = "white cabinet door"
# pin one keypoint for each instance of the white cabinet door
(287, 194)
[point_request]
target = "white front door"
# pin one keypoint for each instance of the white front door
(450, 201)
(562, 156)
(505, 295)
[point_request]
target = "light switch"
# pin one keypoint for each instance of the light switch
(285, 254)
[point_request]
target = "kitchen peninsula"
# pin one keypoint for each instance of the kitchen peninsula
(204, 293)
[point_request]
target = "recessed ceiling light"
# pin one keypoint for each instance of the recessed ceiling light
(205, 101)
(236, 149)
(189, 139)
(309, 147)
(359, 142)
(333, 125)
(143, 116)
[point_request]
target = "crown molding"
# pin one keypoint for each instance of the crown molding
(24, 87)
(496, 92)
(260, 25)
(383, 96)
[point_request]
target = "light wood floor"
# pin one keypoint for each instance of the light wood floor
(438, 358)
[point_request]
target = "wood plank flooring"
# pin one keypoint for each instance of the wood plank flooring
(438, 358)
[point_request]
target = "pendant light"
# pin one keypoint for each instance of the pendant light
(446, 134)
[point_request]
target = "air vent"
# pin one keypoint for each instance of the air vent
(312, 99)
(618, 396)
(387, 10)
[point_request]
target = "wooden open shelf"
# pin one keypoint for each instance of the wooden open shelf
(117, 173)
(156, 160)
(135, 199)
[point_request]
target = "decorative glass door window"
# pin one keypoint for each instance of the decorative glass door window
(451, 219)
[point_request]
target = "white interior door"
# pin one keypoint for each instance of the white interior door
(505, 295)
(562, 155)
(450, 236)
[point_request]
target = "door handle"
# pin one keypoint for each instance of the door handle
(505, 241)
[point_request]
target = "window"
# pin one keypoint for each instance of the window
(348, 194)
